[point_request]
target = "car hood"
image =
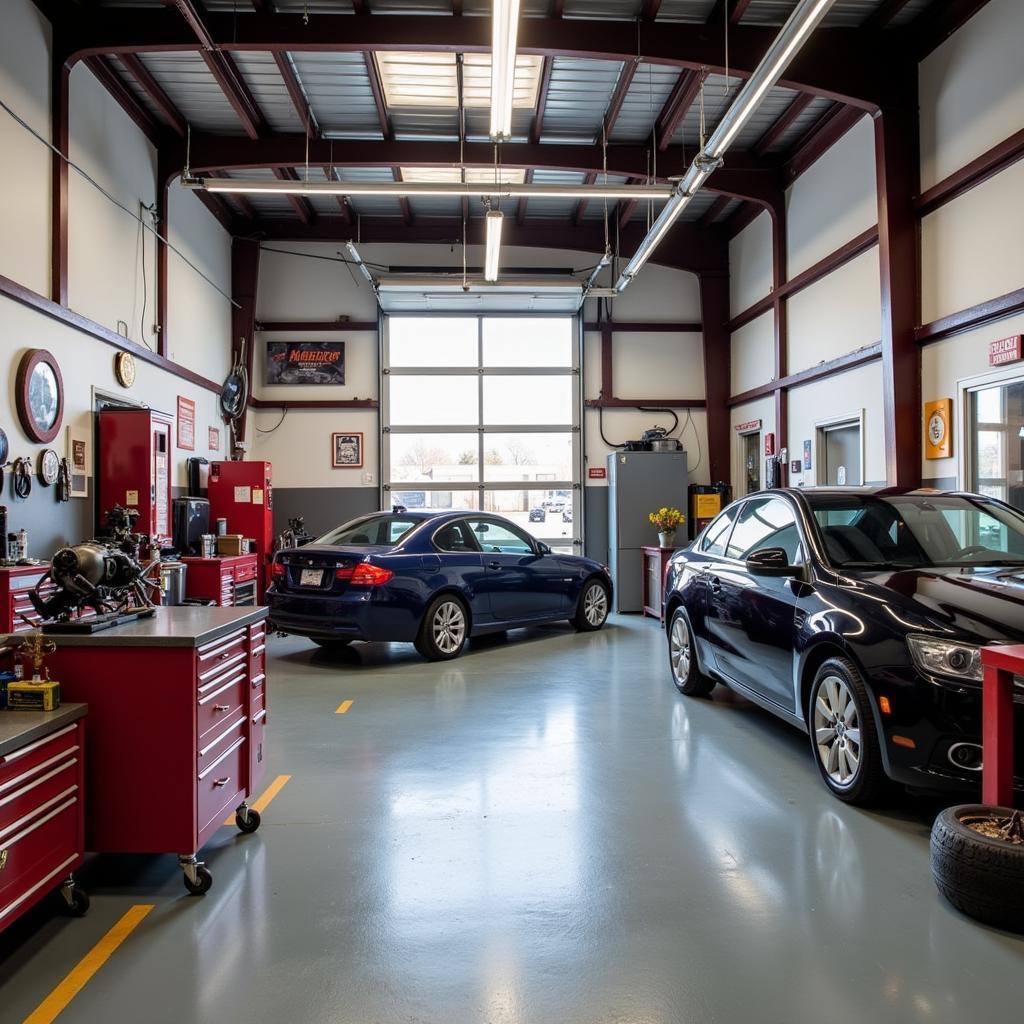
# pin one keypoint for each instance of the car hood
(985, 604)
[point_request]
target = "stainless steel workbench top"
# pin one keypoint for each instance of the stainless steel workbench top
(19, 728)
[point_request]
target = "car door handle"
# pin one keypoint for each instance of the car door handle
(714, 584)
(494, 565)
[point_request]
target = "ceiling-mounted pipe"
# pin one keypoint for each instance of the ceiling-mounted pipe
(805, 17)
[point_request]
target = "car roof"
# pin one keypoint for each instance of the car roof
(877, 492)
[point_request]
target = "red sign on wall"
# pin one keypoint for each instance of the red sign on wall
(1005, 350)
(769, 444)
(597, 474)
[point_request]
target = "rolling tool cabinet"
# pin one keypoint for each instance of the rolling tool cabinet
(177, 725)
(230, 581)
(41, 808)
(15, 606)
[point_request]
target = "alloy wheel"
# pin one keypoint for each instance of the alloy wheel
(448, 627)
(595, 604)
(679, 649)
(837, 731)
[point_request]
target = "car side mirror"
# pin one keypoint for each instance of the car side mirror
(771, 562)
(542, 548)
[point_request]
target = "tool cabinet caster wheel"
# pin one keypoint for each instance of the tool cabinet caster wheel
(202, 883)
(77, 903)
(248, 824)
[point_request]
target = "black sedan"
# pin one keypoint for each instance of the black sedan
(857, 615)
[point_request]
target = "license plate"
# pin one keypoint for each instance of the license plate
(311, 578)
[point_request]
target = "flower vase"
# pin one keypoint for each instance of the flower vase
(667, 538)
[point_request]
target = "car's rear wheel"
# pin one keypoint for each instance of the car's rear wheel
(682, 658)
(844, 738)
(443, 630)
(592, 607)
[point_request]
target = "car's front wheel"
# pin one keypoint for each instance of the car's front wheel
(592, 606)
(443, 630)
(844, 738)
(682, 658)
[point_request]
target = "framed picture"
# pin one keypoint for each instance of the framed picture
(346, 451)
(305, 362)
(186, 424)
(938, 429)
(213, 439)
(79, 461)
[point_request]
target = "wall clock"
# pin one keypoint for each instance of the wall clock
(49, 467)
(124, 369)
(39, 395)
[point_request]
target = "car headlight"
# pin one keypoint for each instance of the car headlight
(946, 658)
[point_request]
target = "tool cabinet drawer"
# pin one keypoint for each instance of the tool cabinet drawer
(213, 745)
(221, 704)
(219, 657)
(222, 779)
(48, 750)
(24, 794)
(35, 851)
(245, 572)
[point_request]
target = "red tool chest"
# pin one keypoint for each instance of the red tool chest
(177, 725)
(230, 581)
(15, 606)
(242, 493)
(135, 467)
(41, 808)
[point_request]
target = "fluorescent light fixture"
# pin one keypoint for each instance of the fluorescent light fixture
(495, 219)
(481, 188)
(504, 29)
(806, 15)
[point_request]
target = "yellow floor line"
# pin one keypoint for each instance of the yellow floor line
(57, 1001)
(268, 794)
(343, 707)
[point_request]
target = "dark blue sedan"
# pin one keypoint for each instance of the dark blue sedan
(433, 579)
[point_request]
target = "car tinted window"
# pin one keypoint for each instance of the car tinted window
(715, 536)
(492, 536)
(764, 523)
(917, 530)
(455, 537)
(382, 529)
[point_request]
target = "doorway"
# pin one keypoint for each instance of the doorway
(750, 461)
(841, 453)
(996, 440)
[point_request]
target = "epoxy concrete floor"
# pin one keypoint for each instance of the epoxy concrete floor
(542, 831)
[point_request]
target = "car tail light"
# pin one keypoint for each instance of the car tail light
(277, 571)
(365, 574)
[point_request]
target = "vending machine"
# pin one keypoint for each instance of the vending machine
(242, 493)
(135, 469)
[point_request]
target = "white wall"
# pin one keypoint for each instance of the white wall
(753, 354)
(750, 264)
(834, 201)
(25, 161)
(972, 90)
(645, 365)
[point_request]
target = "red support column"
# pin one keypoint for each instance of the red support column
(898, 174)
(714, 310)
(165, 173)
(781, 327)
(245, 272)
(59, 100)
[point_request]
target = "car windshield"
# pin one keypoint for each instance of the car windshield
(382, 529)
(917, 531)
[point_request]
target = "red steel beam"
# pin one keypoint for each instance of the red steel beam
(650, 9)
(125, 98)
(883, 15)
(581, 206)
(521, 205)
(714, 312)
(297, 96)
(156, 92)
(618, 96)
(245, 274)
(537, 124)
(829, 368)
(557, 8)
(714, 211)
(678, 103)
(782, 124)
(840, 65)
(975, 316)
(301, 206)
(378, 96)
(737, 8)
(342, 201)
(403, 201)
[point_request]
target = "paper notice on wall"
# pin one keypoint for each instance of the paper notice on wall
(131, 498)
(243, 495)
(257, 495)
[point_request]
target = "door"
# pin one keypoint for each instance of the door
(459, 559)
(521, 584)
(840, 445)
(751, 617)
(750, 454)
(161, 480)
(996, 442)
(711, 549)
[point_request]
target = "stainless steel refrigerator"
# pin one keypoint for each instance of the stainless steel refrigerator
(639, 483)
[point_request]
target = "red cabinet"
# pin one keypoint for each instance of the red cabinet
(177, 708)
(41, 808)
(15, 606)
(229, 581)
(243, 494)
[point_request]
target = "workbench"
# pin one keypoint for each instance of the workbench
(177, 726)
(41, 808)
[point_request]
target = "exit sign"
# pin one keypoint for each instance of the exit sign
(1005, 350)
(597, 474)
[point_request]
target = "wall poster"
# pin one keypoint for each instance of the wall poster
(186, 424)
(305, 362)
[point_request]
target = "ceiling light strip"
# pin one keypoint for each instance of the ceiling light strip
(504, 30)
(805, 17)
(411, 189)
(495, 220)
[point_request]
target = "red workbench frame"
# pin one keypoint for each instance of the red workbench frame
(1000, 665)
